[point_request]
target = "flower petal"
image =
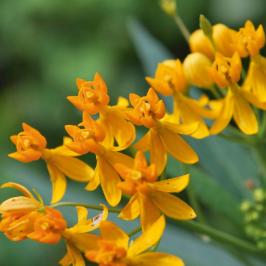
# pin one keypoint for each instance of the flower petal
(225, 115)
(177, 147)
(156, 259)
(111, 232)
(144, 143)
(73, 168)
(18, 187)
(132, 210)
(157, 151)
(172, 206)
(73, 257)
(149, 213)
(109, 180)
(172, 185)
(59, 184)
(148, 238)
(244, 115)
(95, 181)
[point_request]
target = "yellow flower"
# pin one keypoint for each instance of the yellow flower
(22, 218)
(89, 138)
(163, 136)
(31, 145)
(114, 249)
(93, 98)
(197, 70)
(150, 197)
(249, 41)
(223, 38)
(169, 78)
(77, 238)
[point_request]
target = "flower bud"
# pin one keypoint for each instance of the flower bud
(197, 70)
(169, 7)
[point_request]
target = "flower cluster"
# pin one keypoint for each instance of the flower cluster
(106, 130)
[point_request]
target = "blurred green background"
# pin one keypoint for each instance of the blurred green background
(46, 44)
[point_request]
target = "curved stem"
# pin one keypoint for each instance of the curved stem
(89, 206)
(181, 25)
(222, 237)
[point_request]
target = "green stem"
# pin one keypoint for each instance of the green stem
(181, 25)
(89, 206)
(134, 231)
(222, 237)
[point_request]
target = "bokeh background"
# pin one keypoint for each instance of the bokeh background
(46, 44)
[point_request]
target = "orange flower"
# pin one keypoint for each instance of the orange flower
(169, 78)
(48, 226)
(150, 197)
(92, 95)
(249, 41)
(163, 136)
(30, 144)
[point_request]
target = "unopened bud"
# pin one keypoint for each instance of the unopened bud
(169, 7)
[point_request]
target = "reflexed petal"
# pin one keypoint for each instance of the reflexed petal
(18, 187)
(132, 210)
(85, 241)
(244, 115)
(184, 129)
(20, 203)
(172, 185)
(149, 213)
(82, 214)
(144, 143)
(73, 168)
(157, 151)
(225, 115)
(156, 259)
(58, 180)
(177, 147)
(73, 257)
(148, 238)
(172, 206)
(109, 180)
(110, 231)
(114, 157)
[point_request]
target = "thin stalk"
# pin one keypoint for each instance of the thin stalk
(89, 206)
(134, 231)
(181, 25)
(222, 237)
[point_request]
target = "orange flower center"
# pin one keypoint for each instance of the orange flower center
(25, 142)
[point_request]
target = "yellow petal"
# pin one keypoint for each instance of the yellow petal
(177, 147)
(132, 210)
(18, 187)
(122, 101)
(172, 206)
(82, 213)
(20, 203)
(59, 184)
(114, 157)
(73, 257)
(73, 168)
(111, 232)
(148, 238)
(244, 115)
(109, 180)
(84, 241)
(156, 259)
(144, 143)
(95, 181)
(173, 185)
(157, 151)
(253, 99)
(149, 213)
(225, 115)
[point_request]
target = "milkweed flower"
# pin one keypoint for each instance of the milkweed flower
(163, 136)
(226, 73)
(151, 197)
(92, 99)
(31, 145)
(26, 217)
(88, 137)
(78, 241)
(113, 247)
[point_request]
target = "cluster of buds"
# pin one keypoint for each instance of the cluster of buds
(254, 212)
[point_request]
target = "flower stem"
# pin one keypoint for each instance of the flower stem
(181, 25)
(222, 237)
(89, 206)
